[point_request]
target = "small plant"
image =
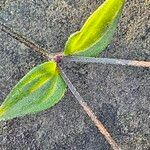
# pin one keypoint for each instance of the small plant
(46, 84)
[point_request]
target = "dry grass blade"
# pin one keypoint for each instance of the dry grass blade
(90, 113)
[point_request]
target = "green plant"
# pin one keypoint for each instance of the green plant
(45, 84)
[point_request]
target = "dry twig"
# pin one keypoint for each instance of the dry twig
(25, 41)
(111, 61)
(90, 113)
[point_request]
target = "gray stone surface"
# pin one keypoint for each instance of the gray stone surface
(119, 95)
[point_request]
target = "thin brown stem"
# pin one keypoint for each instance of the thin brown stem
(90, 113)
(25, 41)
(48, 56)
(108, 61)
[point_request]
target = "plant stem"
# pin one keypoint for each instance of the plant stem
(90, 113)
(25, 41)
(71, 59)
(108, 61)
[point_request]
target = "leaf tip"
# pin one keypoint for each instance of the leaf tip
(2, 112)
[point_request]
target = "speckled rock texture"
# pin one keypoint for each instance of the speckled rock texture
(119, 96)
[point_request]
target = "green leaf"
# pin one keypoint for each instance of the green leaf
(40, 89)
(97, 32)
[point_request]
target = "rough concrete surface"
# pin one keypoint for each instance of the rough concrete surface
(120, 96)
